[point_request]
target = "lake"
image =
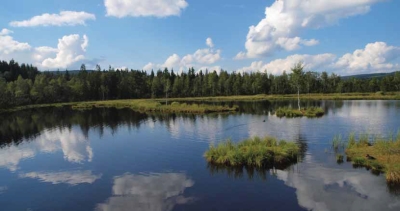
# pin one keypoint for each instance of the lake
(109, 159)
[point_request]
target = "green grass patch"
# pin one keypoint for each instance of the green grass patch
(312, 96)
(148, 106)
(291, 112)
(378, 154)
(339, 158)
(255, 152)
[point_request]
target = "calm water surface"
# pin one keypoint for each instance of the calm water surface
(109, 159)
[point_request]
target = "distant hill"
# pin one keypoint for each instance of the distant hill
(367, 76)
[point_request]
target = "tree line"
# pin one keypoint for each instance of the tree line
(24, 84)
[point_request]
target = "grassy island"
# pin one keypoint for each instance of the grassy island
(291, 112)
(155, 106)
(379, 155)
(254, 152)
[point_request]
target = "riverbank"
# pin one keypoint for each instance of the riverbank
(151, 104)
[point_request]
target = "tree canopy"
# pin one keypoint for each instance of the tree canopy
(24, 84)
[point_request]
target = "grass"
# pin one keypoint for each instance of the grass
(384, 154)
(337, 143)
(140, 106)
(291, 112)
(333, 96)
(254, 152)
(312, 96)
(155, 106)
(339, 158)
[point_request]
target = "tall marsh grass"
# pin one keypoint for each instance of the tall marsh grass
(155, 106)
(376, 153)
(255, 151)
(292, 112)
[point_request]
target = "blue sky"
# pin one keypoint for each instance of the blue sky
(341, 36)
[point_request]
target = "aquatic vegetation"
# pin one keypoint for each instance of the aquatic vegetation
(255, 151)
(339, 158)
(337, 143)
(291, 112)
(379, 155)
(155, 106)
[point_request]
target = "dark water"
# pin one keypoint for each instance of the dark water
(109, 159)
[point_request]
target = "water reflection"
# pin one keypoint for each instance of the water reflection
(71, 178)
(152, 192)
(73, 144)
(321, 188)
(42, 147)
(3, 189)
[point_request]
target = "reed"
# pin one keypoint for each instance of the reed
(155, 106)
(339, 158)
(291, 112)
(379, 155)
(337, 143)
(257, 152)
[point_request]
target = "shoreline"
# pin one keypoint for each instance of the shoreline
(149, 104)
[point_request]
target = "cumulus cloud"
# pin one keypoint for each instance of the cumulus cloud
(209, 43)
(200, 58)
(70, 50)
(138, 8)
(4, 32)
(71, 178)
(148, 192)
(65, 18)
(375, 57)
(8, 45)
(276, 67)
(286, 19)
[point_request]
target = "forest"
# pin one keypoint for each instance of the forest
(24, 84)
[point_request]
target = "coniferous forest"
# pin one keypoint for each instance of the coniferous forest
(23, 84)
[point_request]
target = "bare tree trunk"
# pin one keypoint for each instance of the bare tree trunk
(298, 98)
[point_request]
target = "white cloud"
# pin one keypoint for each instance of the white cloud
(285, 20)
(65, 18)
(172, 61)
(207, 56)
(209, 43)
(4, 32)
(137, 8)
(70, 49)
(8, 45)
(72, 178)
(44, 52)
(201, 57)
(277, 66)
(375, 57)
(154, 192)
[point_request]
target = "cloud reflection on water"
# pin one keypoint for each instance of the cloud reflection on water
(153, 192)
(75, 147)
(322, 189)
(67, 177)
